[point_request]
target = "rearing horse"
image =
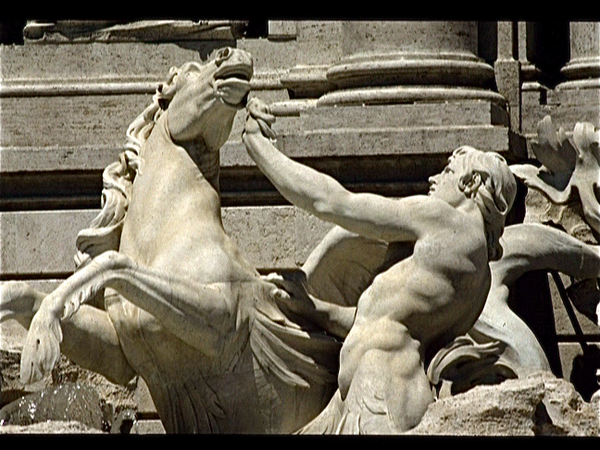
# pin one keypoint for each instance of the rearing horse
(182, 306)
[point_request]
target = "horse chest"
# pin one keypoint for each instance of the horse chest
(183, 227)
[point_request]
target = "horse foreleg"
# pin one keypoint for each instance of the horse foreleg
(199, 314)
(90, 339)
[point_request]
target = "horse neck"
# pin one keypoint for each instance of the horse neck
(188, 167)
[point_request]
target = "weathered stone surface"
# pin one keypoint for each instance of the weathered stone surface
(92, 61)
(43, 242)
(50, 427)
(65, 402)
(402, 116)
(69, 120)
(117, 397)
(183, 143)
(152, 426)
(67, 84)
(66, 31)
(421, 140)
(539, 405)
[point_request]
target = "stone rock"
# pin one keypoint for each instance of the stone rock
(539, 405)
(50, 427)
(117, 397)
(66, 402)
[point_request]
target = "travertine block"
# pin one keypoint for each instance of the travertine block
(89, 61)
(83, 120)
(39, 243)
(148, 427)
(402, 116)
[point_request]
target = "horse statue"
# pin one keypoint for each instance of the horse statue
(163, 292)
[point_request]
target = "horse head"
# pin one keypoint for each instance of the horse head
(200, 100)
(204, 97)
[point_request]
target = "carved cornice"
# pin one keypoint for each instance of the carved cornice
(407, 94)
(78, 31)
(110, 85)
(98, 86)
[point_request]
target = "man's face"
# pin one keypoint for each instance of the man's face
(445, 185)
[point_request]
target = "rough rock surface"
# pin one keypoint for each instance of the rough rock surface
(70, 400)
(53, 427)
(12, 336)
(119, 397)
(65, 402)
(539, 405)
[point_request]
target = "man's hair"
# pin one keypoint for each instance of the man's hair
(496, 194)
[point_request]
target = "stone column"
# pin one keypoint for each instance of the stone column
(318, 46)
(402, 62)
(509, 67)
(584, 64)
(579, 95)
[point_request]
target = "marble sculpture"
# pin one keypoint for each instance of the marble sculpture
(402, 301)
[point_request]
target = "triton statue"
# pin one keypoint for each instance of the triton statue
(418, 304)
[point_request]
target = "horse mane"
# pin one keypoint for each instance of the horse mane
(104, 232)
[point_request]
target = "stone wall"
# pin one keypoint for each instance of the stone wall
(378, 105)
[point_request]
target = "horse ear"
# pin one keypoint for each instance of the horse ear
(166, 90)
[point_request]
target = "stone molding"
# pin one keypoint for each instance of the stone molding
(454, 69)
(67, 31)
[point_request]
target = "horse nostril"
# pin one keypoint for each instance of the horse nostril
(225, 53)
(222, 55)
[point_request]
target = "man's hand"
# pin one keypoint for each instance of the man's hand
(259, 119)
(292, 294)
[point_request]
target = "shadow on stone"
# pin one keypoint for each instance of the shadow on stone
(583, 373)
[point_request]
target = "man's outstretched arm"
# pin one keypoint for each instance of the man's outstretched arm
(321, 195)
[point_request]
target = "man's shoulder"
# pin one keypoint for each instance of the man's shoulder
(433, 211)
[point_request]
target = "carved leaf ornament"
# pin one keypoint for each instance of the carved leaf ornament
(568, 163)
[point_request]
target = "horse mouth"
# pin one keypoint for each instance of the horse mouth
(233, 84)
